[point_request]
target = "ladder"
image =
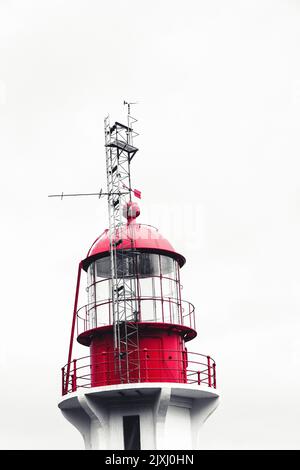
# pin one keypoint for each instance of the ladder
(119, 151)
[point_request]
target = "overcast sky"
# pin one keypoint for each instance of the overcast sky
(218, 86)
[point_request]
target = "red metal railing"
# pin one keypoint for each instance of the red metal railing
(172, 366)
(92, 315)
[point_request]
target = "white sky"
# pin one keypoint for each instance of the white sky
(219, 90)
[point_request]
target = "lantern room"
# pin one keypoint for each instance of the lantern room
(152, 268)
(165, 321)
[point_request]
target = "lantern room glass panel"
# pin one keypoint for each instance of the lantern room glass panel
(157, 287)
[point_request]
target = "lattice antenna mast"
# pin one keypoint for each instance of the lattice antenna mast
(119, 153)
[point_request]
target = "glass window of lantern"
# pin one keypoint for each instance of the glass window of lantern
(98, 296)
(157, 286)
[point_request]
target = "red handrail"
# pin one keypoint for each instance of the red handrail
(198, 369)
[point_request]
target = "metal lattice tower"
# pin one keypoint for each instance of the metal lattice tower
(124, 282)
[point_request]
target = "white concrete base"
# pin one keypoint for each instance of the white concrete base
(170, 414)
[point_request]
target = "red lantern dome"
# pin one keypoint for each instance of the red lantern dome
(144, 237)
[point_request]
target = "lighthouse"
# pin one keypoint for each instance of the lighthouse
(137, 385)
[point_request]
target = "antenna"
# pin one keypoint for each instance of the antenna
(62, 195)
(128, 105)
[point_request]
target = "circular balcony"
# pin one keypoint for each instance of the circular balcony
(149, 291)
(172, 366)
(151, 309)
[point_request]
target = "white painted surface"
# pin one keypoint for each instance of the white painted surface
(178, 419)
(163, 408)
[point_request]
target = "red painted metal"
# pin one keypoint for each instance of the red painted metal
(196, 372)
(63, 381)
(209, 371)
(95, 241)
(74, 376)
(157, 342)
(73, 323)
(184, 332)
(214, 375)
(144, 237)
(145, 358)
